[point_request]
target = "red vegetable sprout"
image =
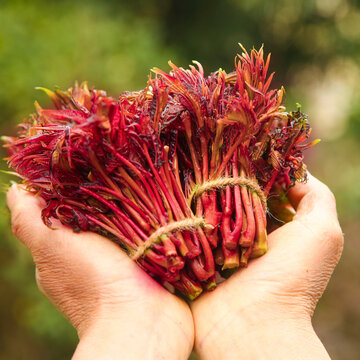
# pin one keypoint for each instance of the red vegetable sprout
(177, 174)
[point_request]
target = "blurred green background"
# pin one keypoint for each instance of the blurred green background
(315, 47)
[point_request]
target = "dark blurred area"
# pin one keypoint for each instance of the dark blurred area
(315, 46)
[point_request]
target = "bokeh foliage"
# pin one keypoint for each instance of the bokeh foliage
(315, 47)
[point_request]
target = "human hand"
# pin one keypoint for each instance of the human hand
(264, 311)
(119, 311)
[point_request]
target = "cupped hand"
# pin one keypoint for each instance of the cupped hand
(264, 311)
(119, 311)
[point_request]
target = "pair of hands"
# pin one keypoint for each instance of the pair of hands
(261, 312)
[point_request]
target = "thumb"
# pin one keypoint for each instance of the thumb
(26, 221)
(44, 242)
(315, 225)
(310, 246)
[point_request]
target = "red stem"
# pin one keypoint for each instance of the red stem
(198, 269)
(128, 243)
(231, 258)
(117, 211)
(225, 227)
(188, 286)
(173, 203)
(228, 155)
(247, 237)
(260, 243)
(209, 258)
(136, 188)
(185, 116)
(180, 243)
(237, 201)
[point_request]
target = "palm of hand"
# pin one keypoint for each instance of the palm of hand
(289, 280)
(85, 275)
(88, 277)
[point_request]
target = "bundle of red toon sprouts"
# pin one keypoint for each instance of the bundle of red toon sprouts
(177, 174)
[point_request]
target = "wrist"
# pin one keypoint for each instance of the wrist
(128, 333)
(102, 340)
(278, 335)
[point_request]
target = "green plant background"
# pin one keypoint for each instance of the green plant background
(315, 47)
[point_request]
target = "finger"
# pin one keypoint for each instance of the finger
(26, 220)
(44, 242)
(316, 209)
(313, 196)
(315, 226)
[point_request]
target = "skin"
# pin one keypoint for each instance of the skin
(265, 310)
(118, 310)
(261, 312)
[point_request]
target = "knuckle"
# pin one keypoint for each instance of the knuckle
(39, 281)
(335, 240)
(328, 194)
(338, 236)
(22, 228)
(17, 224)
